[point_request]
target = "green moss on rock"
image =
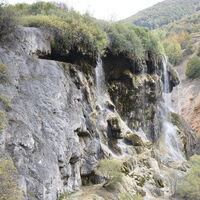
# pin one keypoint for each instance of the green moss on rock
(5, 99)
(3, 119)
(9, 187)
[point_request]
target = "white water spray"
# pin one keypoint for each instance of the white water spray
(171, 141)
(100, 81)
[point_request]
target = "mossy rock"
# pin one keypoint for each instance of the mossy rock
(158, 181)
(3, 73)
(140, 180)
(134, 140)
(176, 119)
(128, 165)
(3, 119)
(9, 187)
(113, 145)
(3, 69)
(5, 99)
(174, 79)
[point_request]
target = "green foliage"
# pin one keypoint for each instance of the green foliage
(83, 35)
(5, 99)
(193, 67)
(111, 170)
(7, 21)
(9, 188)
(75, 33)
(3, 119)
(190, 186)
(189, 23)
(133, 42)
(164, 13)
(123, 39)
(173, 51)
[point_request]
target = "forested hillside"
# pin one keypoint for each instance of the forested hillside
(164, 13)
(189, 23)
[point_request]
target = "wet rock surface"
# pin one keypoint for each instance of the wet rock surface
(57, 127)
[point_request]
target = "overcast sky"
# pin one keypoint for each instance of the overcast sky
(104, 9)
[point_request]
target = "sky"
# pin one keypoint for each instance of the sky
(111, 10)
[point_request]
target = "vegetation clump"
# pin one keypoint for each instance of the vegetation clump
(3, 119)
(5, 99)
(7, 20)
(133, 42)
(110, 170)
(76, 35)
(193, 67)
(3, 69)
(9, 187)
(190, 186)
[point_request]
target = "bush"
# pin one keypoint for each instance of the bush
(124, 40)
(76, 35)
(190, 187)
(111, 170)
(193, 67)
(71, 34)
(9, 188)
(7, 21)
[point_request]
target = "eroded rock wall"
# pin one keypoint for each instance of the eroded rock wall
(56, 128)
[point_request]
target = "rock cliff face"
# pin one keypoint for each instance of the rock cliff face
(58, 119)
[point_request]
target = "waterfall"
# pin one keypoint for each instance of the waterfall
(170, 139)
(166, 89)
(100, 81)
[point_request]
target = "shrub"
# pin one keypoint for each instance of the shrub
(111, 170)
(124, 40)
(190, 186)
(9, 188)
(193, 67)
(7, 21)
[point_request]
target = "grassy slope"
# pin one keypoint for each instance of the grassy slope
(164, 13)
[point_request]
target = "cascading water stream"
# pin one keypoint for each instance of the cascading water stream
(100, 81)
(100, 91)
(171, 141)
